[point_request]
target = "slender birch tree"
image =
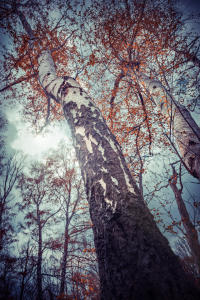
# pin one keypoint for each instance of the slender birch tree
(132, 40)
(185, 129)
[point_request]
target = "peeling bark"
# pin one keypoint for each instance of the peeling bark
(185, 129)
(135, 259)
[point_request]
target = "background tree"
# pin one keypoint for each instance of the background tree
(3, 125)
(57, 218)
(65, 178)
(125, 42)
(26, 265)
(191, 232)
(11, 171)
(8, 276)
(38, 198)
(187, 260)
(185, 224)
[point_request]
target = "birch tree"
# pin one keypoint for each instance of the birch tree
(124, 40)
(134, 41)
(125, 233)
(135, 260)
(185, 129)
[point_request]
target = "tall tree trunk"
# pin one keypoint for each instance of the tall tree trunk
(39, 263)
(24, 22)
(192, 235)
(64, 259)
(135, 259)
(24, 272)
(185, 129)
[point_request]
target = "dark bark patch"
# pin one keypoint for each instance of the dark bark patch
(194, 173)
(64, 88)
(192, 143)
(69, 106)
(66, 77)
(191, 161)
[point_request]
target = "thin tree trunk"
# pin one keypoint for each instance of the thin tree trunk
(39, 263)
(192, 235)
(185, 129)
(25, 272)
(135, 259)
(140, 182)
(24, 22)
(64, 259)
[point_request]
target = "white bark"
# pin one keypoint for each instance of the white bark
(64, 90)
(185, 129)
(135, 259)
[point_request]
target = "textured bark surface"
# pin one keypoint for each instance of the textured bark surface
(135, 260)
(185, 129)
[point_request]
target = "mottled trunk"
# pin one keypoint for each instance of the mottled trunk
(185, 129)
(64, 259)
(192, 235)
(135, 259)
(39, 263)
